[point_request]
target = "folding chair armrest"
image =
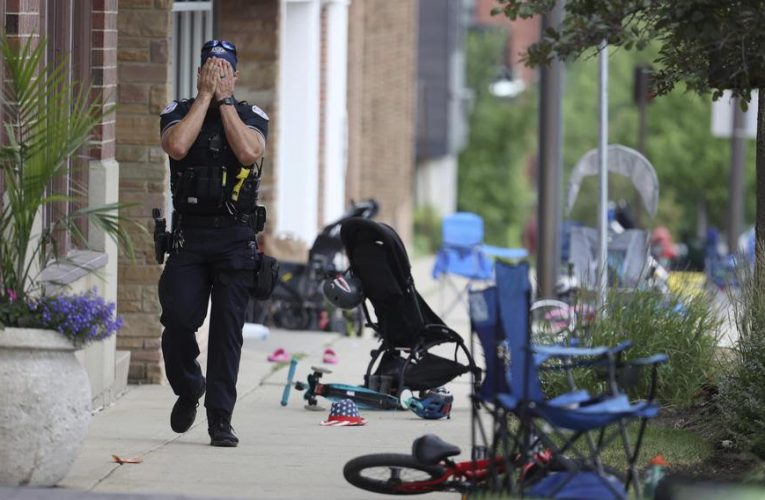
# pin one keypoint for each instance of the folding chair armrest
(621, 346)
(555, 351)
(506, 253)
(571, 352)
(656, 359)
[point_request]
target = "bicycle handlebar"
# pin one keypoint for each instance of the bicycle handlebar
(290, 376)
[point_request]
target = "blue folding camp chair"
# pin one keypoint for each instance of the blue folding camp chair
(464, 254)
(499, 315)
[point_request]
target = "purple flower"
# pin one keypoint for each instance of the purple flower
(12, 294)
(83, 318)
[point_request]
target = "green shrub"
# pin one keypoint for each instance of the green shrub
(427, 230)
(686, 329)
(741, 397)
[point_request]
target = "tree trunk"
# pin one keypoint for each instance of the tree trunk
(759, 226)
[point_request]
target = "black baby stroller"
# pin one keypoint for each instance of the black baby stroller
(406, 325)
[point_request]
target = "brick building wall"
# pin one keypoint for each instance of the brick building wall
(143, 55)
(104, 74)
(23, 19)
(381, 107)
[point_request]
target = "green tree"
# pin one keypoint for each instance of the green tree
(705, 44)
(691, 165)
(492, 178)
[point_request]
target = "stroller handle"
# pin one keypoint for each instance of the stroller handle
(366, 209)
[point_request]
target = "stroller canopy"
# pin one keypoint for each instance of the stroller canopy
(378, 258)
(624, 161)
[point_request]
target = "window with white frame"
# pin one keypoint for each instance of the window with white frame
(192, 26)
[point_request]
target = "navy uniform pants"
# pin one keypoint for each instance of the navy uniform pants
(215, 265)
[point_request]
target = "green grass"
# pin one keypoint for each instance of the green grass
(682, 449)
(679, 447)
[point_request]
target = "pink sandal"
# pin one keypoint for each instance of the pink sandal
(330, 357)
(279, 356)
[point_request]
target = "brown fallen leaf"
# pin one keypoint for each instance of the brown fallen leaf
(120, 460)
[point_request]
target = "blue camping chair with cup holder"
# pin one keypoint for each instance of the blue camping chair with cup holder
(557, 442)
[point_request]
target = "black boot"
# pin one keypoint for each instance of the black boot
(219, 428)
(185, 411)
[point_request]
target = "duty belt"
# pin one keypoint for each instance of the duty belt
(213, 221)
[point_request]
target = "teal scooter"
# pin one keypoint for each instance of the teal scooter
(365, 398)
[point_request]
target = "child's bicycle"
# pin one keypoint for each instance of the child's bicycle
(429, 469)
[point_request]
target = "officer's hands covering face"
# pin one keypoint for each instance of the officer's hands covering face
(227, 79)
(208, 77)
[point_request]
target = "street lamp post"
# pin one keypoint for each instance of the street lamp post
(603, 174)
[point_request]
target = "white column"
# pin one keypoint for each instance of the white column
(298, 150)
(335, 109)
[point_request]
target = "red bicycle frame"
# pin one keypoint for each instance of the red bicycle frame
(470, 472)
(473, 472)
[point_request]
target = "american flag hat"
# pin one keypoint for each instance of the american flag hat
(344, 412)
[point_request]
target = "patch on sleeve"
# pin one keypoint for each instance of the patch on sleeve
(259, 112)
(169, 108)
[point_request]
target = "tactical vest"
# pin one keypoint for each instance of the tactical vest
(209, 180)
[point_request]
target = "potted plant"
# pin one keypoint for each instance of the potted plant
(45, 392)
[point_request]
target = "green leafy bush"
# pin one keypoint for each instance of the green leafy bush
(492, 180)
(427, 230)
(741, 397)
(686, 329)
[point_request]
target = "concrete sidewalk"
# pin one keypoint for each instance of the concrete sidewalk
(284, 453)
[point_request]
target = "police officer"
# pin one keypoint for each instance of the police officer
(214, 143)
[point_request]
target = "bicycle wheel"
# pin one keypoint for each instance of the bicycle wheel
(392, 474)
(552, 322)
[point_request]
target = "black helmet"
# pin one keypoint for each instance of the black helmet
(343, 291)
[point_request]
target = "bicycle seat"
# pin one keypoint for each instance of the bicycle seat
(431, 449)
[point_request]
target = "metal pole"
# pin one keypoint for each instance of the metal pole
(642, 102)
(736, 193)
(603, 175)
(642, 126)
(550, 166)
